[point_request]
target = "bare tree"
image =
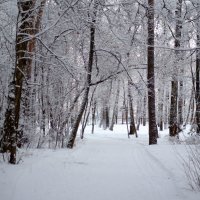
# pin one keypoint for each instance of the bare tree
(173, 121)
(73, 134)
(153, 132)
(25, 46)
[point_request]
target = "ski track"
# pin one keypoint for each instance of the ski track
(103, 168)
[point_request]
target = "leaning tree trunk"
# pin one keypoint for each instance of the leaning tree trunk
(87, 113)
(73, 134)
(173, 123)
(153, 132)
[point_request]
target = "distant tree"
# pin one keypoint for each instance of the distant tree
(132, 130)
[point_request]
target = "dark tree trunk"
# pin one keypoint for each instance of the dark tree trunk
(11, 123)
(160, 109)
(93, 114)
(173, 108)
(73, 134)
(153, 132)
(144, 117)
(86, 114)
(180, 101)
(198, 75)
(105, 116)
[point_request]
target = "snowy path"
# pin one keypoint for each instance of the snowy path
(103, 168)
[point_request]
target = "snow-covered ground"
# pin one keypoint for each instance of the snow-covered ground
(104, 166)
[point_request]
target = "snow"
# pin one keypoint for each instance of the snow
(103, 166)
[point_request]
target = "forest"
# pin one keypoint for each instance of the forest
(66, 65)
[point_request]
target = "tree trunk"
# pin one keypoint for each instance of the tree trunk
(144, 117)
(173, 121)
(113, 120)
(73, 134)
(86, 114)
(160, 108)
(180, 101)
(153, 132)
(93, 114)
(105, 117)
(33, 27)
(138, 114)
(197, 95)
(132, 130)
(166, 107)
(12, 114)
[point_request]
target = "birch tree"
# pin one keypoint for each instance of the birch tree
(173, 121)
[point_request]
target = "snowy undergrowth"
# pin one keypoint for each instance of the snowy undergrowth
(190, 156)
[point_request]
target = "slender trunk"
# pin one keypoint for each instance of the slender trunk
(153, 132)
(160, 109)
(72, 138)
(189, 108)
(173, 121)
(93, 114)
(166, 108)
(138, 114)
(180, 101)
(66, 121)
(144, 117)
(42, 105)
(113, 120)
(132, 118)
(105, 116)
(197, 95)
(86, 115)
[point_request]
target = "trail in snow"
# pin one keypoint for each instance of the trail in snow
(104, 166)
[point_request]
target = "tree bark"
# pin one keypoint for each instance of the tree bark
(197, 95)
(93, 114)
(144, 117)
(153, 132)
(73, 134)
(160, 108)
(173, 121)
(11, 123)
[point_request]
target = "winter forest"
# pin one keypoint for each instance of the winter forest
(105, 87)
